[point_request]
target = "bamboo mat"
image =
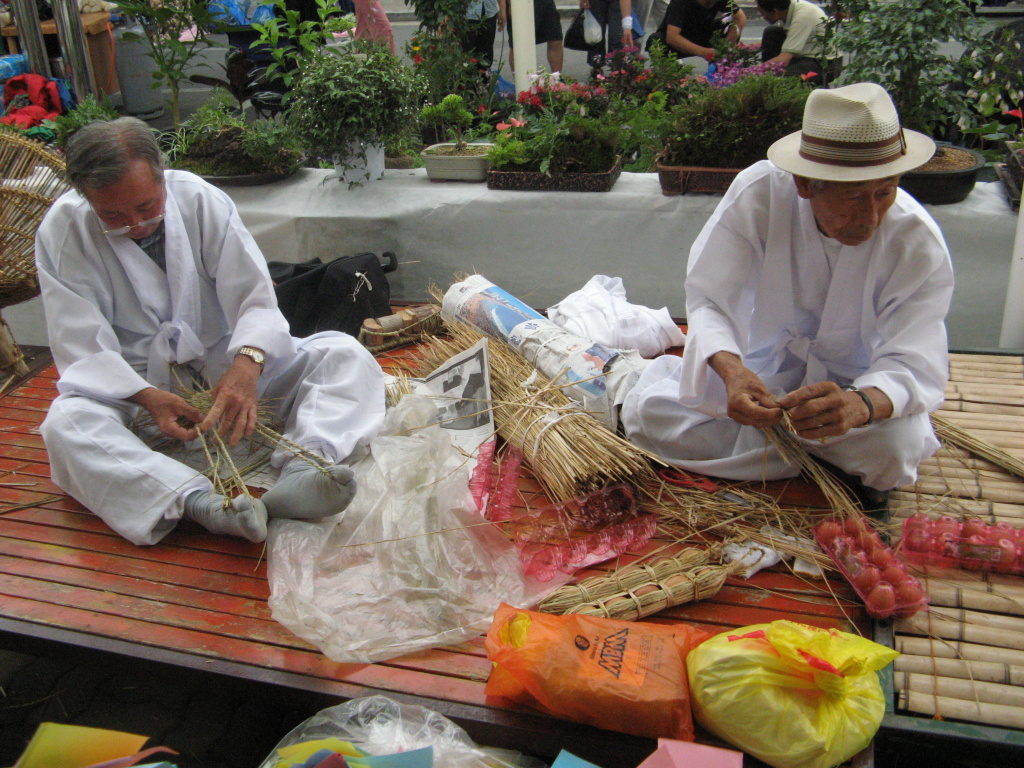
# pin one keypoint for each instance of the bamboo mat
(964, 658)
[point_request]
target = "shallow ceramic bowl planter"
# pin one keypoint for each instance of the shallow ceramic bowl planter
(443, 164)
(535, 181)
(947, 178)
(680, 179)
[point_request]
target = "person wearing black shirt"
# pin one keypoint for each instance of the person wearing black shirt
(689, 25)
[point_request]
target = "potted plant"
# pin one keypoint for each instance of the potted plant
(175, 30)
(345, 106)
(570, 152)
(906, 48)
(718, 132)
(455, 160)
(225, 149)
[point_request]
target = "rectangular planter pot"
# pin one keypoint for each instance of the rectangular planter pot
(535, 181)
(680, 179)
(454, 167)
(1015, 163)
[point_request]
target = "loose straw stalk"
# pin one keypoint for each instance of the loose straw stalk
(951, 434)
(785, 442)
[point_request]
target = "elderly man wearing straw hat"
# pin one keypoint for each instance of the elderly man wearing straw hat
(818, 289)
(142, 269)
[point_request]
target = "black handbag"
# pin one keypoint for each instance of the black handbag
(574, 39)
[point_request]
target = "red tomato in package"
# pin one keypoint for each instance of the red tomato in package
(619, 675)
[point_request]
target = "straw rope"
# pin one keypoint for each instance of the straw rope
(684, 587)
(567, 598)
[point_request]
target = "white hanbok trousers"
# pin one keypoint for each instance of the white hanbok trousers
(884, 455)
(330, 397)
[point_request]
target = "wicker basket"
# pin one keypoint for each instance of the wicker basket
(31, 178)
(678, 179)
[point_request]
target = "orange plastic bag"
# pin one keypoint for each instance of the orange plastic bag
(619, 675)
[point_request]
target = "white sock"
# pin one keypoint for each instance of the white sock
(306, 492)
(244, 517)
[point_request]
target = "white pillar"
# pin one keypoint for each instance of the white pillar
(1011, 336)
(524, 41)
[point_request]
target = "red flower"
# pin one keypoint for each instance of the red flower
(473, 60)
(482, 109)
(417, 59)
(1016, 113)
(808, 76)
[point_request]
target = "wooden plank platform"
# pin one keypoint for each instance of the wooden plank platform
(198, 602)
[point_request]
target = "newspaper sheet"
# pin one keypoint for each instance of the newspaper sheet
(598, 378)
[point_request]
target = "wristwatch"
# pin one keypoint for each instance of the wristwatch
(256, 355)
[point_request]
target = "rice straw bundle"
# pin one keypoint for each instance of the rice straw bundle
(683, 587)
(987, 671)
(951, 434)
(924, 624)
(981, 691)
(785, 442)
(959, 709)
(954, 649)
(566, 598)
(570, 452)
(227, 476)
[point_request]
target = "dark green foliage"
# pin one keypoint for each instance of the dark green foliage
(733, 127)
(342, 97)
(217, 142)
(89, 110)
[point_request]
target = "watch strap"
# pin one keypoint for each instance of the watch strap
(867, 401)
(254, 354)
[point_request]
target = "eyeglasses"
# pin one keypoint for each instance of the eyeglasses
(140, 225)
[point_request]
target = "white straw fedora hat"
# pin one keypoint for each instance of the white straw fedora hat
(851, 134)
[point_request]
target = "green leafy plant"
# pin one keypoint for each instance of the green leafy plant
(215, 141)
(292, 41)
(344, 98)
(732, 127)
(451, 116)
(554, 144)
(89, 110)
(164, 23)
(437, 57)
(905, 47)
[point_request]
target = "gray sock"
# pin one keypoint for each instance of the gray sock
(305, 492)
(245, 517)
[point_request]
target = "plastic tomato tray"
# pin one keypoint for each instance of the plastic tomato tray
(972, 544)
(871, 567)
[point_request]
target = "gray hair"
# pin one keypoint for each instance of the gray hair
(99, 154)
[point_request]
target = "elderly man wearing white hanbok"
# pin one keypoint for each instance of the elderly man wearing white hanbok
(818, 288)
(142, 268)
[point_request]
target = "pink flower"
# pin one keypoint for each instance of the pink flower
(503, 126)
(516, 123)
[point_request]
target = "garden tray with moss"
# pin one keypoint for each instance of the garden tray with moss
(535, 181)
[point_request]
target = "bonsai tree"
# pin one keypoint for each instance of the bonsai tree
(553, 144)
(344, 101)
(450, 116)
(216, 141)
(904, 47)
(732, 127)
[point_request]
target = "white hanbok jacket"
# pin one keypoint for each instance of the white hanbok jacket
(761, 285)
(116, 320)
(799, 308)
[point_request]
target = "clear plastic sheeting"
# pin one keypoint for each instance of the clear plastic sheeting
(380, 726)
(409, 565)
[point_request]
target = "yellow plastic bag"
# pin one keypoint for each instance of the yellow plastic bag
(791, 695)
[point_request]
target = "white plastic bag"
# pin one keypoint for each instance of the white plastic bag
(380, 726)
(592, 32)
(409, 565)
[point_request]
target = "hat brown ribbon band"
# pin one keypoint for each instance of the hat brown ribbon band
(852, 154)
